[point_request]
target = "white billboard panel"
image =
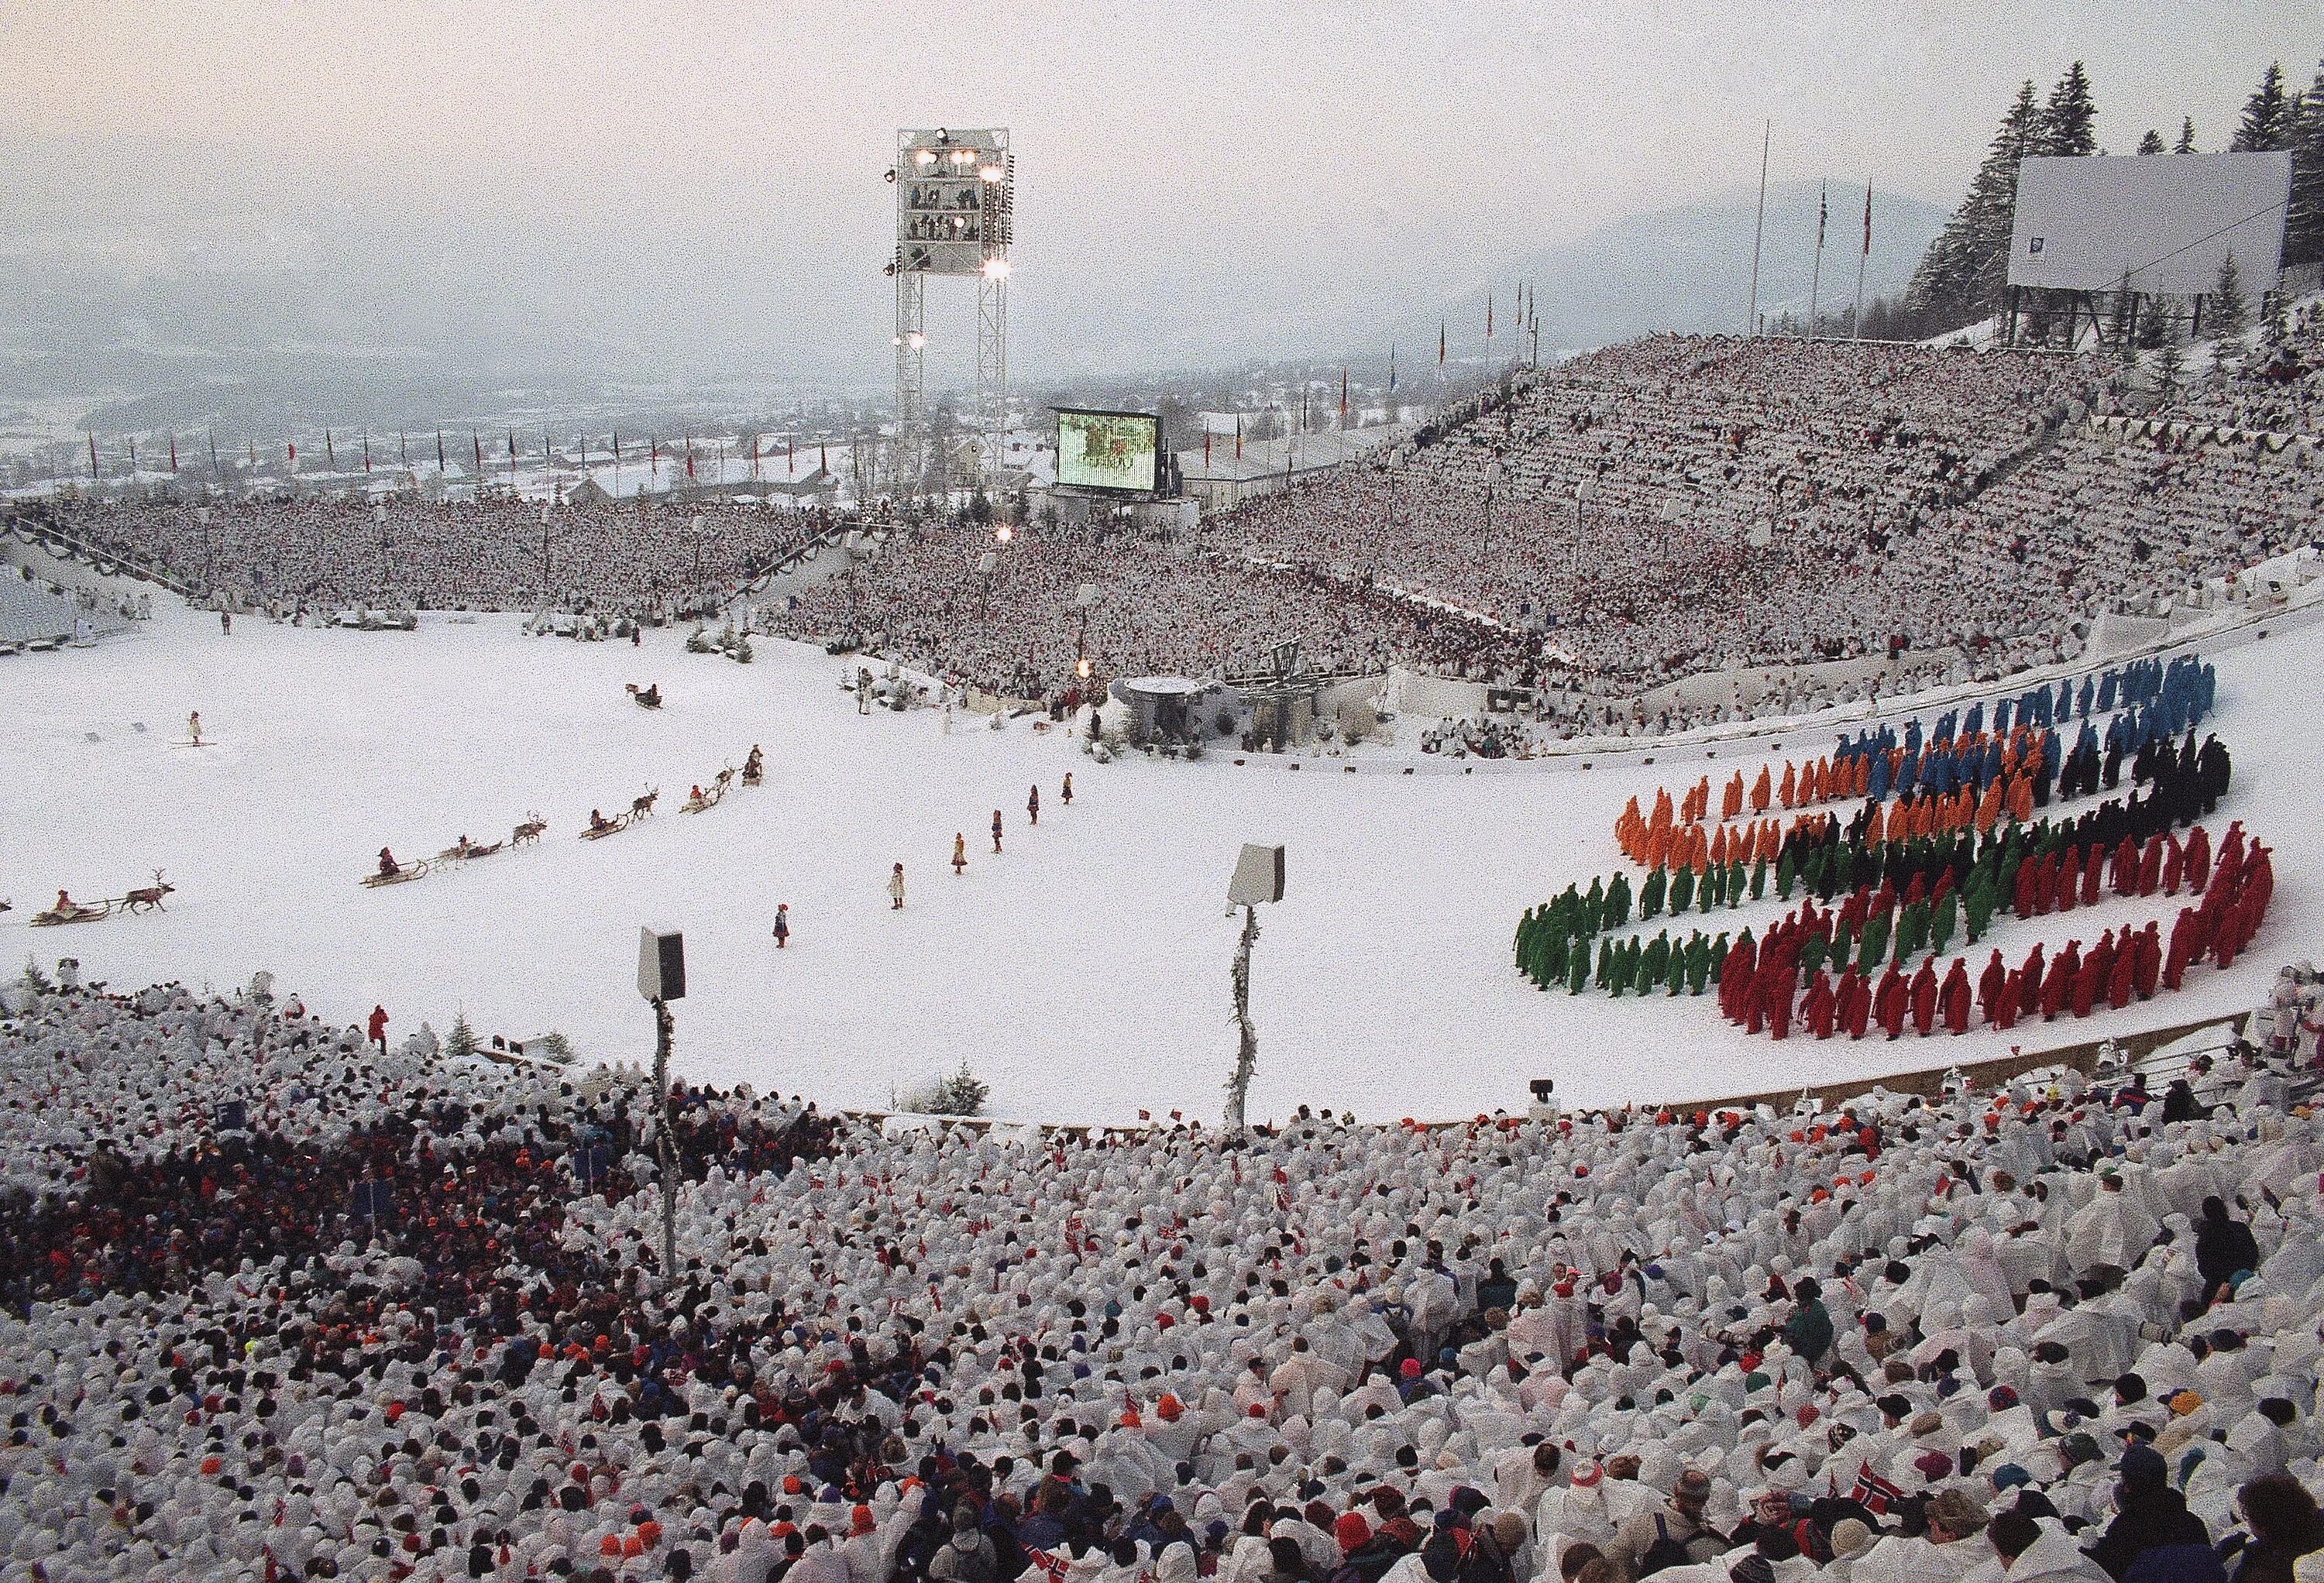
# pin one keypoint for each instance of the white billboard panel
(2165, 221)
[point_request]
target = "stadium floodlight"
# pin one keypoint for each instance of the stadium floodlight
(988, 173)
(1003, 534)
(996, 268)
(924, 157)
(917, 340)
(1258, 878)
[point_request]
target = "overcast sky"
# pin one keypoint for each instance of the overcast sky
(1181, 161)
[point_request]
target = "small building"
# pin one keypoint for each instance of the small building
(1163, 709)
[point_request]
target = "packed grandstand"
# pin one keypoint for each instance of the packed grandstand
(1652, 511)
(281, 1303)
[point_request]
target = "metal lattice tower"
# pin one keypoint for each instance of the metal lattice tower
(911, 453)
(956, 215)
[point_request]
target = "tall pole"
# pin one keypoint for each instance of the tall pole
(665, 1143)
(1815, 282)
(1863, 252)
(1247, 1054)
(1758, 230)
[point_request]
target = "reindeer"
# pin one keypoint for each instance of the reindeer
(642, 808)
(724, 778)
(148, 895)
(530, 830)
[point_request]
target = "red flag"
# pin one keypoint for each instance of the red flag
(654, 464)
(1440, 343)
(1489, 315)
(689, 455)
(1206, 450)
(823, 454)
(293, 447)
(1238, 437)
(174, 453)
(1867, 219)
(92, 455)
(1343, 395)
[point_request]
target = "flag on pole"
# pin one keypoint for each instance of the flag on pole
(1489, 315)
(1343, 395)
(653, 457)
(1868, 220)
(292, 448)
(133, 453)
(330, 457)
(1391, 368)
(1824, 212)
(1238, 437)
(822, 457)
(440, 452)
(174, 453)
(402, 453)
(689, 455)
(366, 444)
(92, 455)
(1440, 343)
(476, 441)
(214, 452)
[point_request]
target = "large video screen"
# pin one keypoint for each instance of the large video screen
(2165, 221)
(1108, 450)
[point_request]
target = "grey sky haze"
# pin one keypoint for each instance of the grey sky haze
(1177, 162)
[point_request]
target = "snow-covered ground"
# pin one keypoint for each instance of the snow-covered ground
(1083, 973)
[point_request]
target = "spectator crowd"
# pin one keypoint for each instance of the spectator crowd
(276, 1303)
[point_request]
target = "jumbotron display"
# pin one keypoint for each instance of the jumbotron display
(1108, 450)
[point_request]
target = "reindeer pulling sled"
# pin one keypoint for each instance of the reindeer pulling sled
(641, 807)
(463, 851)
(646, 697)
(145, 898)
(701, 800)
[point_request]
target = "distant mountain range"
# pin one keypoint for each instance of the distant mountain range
(1689, 269)
(387, 325)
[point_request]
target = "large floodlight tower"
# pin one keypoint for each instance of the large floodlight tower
(956, 215)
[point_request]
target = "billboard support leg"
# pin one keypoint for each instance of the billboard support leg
(2009, 335)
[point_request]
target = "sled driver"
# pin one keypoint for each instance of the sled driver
(388, 867)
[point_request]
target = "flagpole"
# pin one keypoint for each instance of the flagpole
(1862, 254)
(1815, 281)
(1759, 230)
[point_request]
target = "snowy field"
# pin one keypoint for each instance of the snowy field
(1083, 973)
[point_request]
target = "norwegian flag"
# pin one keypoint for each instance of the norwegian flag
(1873, 1493)
(1051, 1567)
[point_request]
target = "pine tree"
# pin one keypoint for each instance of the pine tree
(2266, 123)
(2230, 312)
(2151, 143)
(2068, 117)
(2167, 364)
(2186, 143)
(462, 1040)
(1962, 276)
(2303, 233)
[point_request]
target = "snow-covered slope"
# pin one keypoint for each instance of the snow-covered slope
(1084, 972)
